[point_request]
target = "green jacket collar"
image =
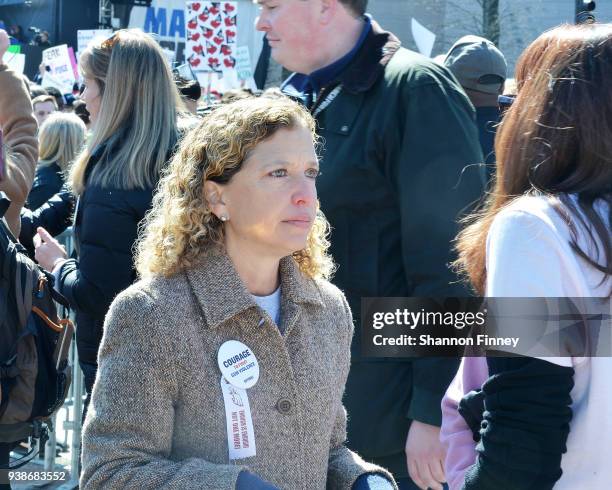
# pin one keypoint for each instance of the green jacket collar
(370, 61)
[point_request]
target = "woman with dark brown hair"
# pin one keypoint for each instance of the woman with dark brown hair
(544, 232)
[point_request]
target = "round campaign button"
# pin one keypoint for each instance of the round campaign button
(238, 364)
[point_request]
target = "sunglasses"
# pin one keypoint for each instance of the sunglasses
(109, 43)
(504, 102)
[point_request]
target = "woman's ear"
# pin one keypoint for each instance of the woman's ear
(213, 195)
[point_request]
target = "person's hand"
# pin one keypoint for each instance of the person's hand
(251, 481)
(42, 68)
(48, 249)
(425, 456)
(4, 43)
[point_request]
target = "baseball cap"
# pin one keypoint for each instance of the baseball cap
(477, 64)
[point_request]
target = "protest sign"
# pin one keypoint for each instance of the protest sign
(241, 75)
(73, 62)
(244, 70)
(15, 61)
(167, 19)
(85, 36)
(211, 35)
(49, 80)
(61, 73)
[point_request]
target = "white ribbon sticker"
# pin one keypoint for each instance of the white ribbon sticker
(238, 364)
(240, 432)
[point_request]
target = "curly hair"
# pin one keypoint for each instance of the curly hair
(181, 224)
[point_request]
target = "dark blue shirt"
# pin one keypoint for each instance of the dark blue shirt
(306, 87)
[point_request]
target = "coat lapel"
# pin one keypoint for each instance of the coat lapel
(219, 290)
(222, 295)
(296, 290)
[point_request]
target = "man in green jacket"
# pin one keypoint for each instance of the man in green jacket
(400, 165)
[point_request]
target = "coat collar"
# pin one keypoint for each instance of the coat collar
(222, 295)
(370, 61)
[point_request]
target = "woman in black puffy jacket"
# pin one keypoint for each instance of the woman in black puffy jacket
(133, 102)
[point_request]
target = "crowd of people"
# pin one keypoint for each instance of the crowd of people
(245, 236)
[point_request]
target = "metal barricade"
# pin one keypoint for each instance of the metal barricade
(73, 404)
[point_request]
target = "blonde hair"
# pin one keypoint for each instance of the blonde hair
(60, 140)
(181, 225)
(137, 122)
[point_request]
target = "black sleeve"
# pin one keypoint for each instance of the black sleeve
(54, 216)
(470, 408)
(43, 189)
(525, 425)
(105, 266)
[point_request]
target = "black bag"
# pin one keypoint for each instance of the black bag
(34, 343)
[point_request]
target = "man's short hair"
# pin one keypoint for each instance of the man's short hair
(358, 7)
(44, 98)
(59, 98)
(37, 90)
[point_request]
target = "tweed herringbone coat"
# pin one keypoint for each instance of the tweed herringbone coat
(157, 417)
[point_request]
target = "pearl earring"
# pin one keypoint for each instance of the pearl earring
(223, 218)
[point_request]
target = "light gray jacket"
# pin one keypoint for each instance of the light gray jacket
(157, 418)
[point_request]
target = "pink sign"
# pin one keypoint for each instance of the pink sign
(73, 61)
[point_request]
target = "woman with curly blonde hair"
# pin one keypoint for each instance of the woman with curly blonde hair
(181, 224)
(224, 366)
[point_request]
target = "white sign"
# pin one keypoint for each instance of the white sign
(58, 59)
(244, 68)
(423, 38)
(86, 36)
(49, 80)
(211, 35)
(230, 79)
(15, 61)
(168, 20)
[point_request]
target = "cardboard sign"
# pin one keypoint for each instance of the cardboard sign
(211, 35)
